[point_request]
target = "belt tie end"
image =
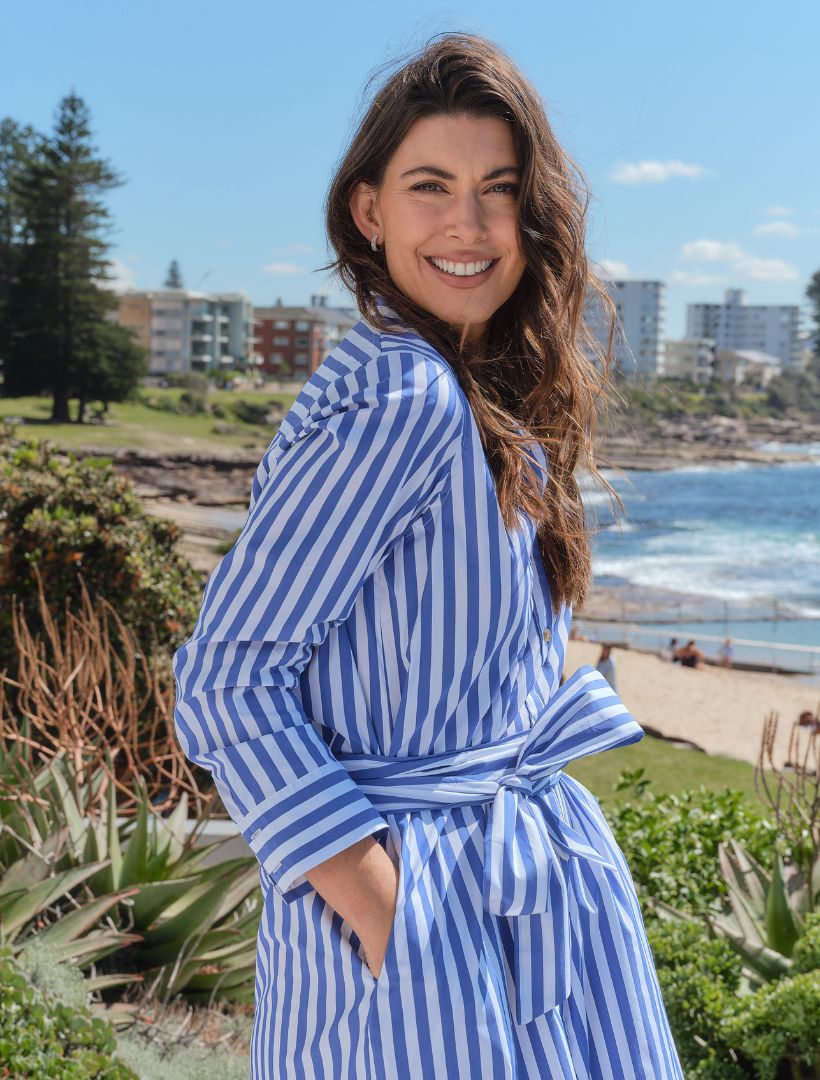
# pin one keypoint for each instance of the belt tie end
(526, 848)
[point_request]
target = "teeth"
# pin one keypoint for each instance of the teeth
(462, 269)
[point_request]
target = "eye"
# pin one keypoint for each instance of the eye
(425, 185)
(510, 189)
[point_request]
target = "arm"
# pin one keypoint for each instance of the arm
(335, 491)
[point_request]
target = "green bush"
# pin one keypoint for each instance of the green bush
(778, 1026)
(43, 1039)
(191, 402)
(806, 955)
(699, 978)
(252, 412)
(671, 841)
(71, 517)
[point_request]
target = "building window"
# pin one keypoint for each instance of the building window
(301, 327)
(281, 341)
(300, 358)
(301, 343)
(281, 324)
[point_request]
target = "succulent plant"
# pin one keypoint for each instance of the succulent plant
(767, 911)
(187, 918)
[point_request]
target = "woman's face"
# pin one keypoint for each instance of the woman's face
(447, 214)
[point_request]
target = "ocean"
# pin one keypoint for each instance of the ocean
(717, 550)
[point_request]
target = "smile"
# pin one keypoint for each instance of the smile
(478, 269)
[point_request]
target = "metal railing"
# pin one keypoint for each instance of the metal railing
(782, 656)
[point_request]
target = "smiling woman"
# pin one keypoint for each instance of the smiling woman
(451, 243)
(375, 677)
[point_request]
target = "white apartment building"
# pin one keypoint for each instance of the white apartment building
(735, 325)
(189, 331)
(741, 366)
(690, 358)
(639, 344)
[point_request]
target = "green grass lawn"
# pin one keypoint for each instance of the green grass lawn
(135, 424)
(670, 769)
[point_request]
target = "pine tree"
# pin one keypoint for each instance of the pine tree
(17, 146)
(60, 335)
(174, 277)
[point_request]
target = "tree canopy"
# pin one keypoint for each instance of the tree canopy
(57, 328)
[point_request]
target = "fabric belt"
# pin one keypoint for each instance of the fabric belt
(526, 844)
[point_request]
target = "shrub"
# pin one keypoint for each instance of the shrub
(193, 402)
(86, 684)
(806, 955)
(77, 518)
(43, 1039)
(777, 1026)
(253, 412)
(699, 978)
(671, 842)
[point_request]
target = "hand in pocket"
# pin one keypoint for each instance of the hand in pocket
(375, 935)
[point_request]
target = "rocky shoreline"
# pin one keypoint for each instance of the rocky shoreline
(225, 479)
(192, 489)
(670, 444)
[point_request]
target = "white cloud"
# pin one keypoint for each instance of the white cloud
(778, 211)
(121, 277)
(712, 251)
(695, 277)
(611, 268)
(766, 269)
(654, 172)
(282, 268)
(777, 228)
(742, 263)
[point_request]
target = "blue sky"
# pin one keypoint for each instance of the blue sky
(695, 125)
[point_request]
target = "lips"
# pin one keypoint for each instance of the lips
(457, 272)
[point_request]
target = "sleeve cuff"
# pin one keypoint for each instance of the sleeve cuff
(302, 825)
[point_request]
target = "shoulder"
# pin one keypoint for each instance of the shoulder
(395, 374)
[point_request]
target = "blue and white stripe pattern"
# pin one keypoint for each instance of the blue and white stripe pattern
(378, 654)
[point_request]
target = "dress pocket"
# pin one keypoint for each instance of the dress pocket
(391, 842)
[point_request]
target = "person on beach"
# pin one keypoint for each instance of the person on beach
(670, 653)
(606, 665)
(690, 655)
(375, 674)
(726, 653)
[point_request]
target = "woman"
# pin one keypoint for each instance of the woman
(375, 675)
(606, 666)
(690, 655)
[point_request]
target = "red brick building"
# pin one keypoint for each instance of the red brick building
(291, 342)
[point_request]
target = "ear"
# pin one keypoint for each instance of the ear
(365, 212)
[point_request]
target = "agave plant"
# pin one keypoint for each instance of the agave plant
(191, 916)
(767, 911)
(39, 896)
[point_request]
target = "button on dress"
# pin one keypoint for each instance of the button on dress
(378, 655)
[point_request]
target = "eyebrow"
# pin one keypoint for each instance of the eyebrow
(442, 174)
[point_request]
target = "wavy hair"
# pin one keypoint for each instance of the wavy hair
(540, 369)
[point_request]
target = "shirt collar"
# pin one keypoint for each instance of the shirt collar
(386, 310)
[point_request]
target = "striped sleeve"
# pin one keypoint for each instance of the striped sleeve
(342, 481)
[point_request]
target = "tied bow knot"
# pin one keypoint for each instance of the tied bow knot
(516, 782)
(530, 851)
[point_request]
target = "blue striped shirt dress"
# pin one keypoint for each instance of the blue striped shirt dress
(377, 654)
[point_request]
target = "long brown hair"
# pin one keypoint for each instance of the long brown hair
(539, 368)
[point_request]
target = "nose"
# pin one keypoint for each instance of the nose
(466, 220)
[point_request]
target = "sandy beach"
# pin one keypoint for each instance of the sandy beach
(722, 711)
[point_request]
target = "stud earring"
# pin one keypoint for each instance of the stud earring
(373, 240)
